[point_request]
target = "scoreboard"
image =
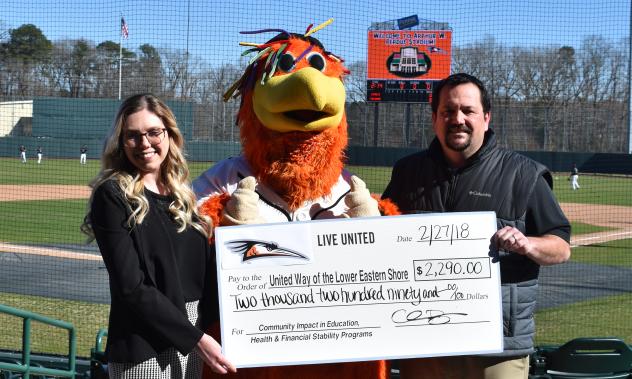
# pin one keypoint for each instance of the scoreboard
(403, 65)
(401, 91)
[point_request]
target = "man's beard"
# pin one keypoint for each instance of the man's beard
(458, 146)
(298, 166)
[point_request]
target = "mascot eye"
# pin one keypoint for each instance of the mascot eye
(317, 61)
(286, 62)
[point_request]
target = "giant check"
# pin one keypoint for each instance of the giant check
(359, 289)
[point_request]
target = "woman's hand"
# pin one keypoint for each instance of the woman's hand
(211, 353)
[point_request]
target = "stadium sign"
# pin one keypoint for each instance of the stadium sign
(404, 64)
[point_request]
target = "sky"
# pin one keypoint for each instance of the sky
(209, 30)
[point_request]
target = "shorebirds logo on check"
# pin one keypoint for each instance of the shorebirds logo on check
(255, 249)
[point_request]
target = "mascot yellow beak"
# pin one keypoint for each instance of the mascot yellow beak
(304, 100)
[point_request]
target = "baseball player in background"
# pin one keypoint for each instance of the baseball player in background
(84, 154)
(23, 153)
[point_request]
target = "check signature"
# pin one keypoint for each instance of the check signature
(430, 316)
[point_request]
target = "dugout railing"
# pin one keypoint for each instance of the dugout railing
(24, 363)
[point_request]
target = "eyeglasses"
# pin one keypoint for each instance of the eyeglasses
(154, 137)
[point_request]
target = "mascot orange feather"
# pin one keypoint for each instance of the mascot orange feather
(293, 132)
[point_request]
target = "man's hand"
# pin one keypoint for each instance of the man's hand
(511, 239)
(359, 200)
(243, 208)
(544, 250)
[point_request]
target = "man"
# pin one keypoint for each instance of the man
(84, 154)
(574, 177)
(39, 155)
(23, 153)
(464, 170)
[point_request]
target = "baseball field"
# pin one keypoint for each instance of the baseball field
(47, 267)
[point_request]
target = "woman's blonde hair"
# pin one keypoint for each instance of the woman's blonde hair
(174, 173)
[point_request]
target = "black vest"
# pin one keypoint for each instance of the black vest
(494, 179)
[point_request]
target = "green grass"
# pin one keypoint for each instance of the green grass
(42, 221)
(69, 171)
(376, 178)
(595, 189)
(32, 222)
(196, 168)
(87, 318)
(50, 171)
(582, 228)
(63, 171)
(611, 253)
(58, 221)
(602, 317)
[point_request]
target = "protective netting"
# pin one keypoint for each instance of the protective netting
(558, 73)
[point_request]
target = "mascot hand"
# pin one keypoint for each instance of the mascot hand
(359, 200)
(242, 208)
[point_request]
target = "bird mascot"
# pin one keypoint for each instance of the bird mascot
(293, 133)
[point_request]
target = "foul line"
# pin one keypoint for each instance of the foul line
(36, 250)
(605, 237)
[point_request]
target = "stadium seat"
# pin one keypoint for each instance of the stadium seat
(596, 358)
(98, 362)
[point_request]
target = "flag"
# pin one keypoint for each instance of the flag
(124, 30)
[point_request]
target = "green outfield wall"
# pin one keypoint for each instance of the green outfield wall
(61, 126)
(85, 119)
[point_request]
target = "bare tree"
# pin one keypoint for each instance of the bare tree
(174, 72)
(107, 69)
(148, 72)
(355, 82)
(492, 63)
(357, 106)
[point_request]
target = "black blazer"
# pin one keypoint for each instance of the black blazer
(153, 272)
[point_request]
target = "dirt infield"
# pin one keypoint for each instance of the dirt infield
(11, 192)
(618, 218)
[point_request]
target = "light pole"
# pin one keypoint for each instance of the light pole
(120, 64)
(630, 83)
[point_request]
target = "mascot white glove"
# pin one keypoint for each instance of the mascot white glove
(359, 200)
(243, 208)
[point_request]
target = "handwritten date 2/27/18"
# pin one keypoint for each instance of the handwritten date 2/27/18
(445, 233)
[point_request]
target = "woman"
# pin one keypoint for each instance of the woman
(155, 247)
